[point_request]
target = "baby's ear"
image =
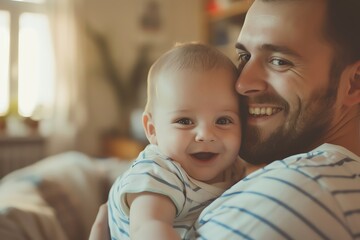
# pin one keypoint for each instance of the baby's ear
(149, 127)
(352, 95)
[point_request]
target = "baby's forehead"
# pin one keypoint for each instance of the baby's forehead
(174, 80)
(195, 69)
(191, 83)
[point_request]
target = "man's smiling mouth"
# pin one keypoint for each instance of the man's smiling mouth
(263, 111)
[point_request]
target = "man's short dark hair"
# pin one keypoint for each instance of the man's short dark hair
(343, 28)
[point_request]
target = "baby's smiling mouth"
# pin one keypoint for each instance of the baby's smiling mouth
(204, 155)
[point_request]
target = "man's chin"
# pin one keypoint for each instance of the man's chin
(252, 148)
(259, 150)
(260, 155)
(279, 145)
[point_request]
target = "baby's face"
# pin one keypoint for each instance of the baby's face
(197, 124)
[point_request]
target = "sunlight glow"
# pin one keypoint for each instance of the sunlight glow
(30, 1)
(4, 62)
(36, 65)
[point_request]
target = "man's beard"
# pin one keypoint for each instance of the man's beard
(304, 128)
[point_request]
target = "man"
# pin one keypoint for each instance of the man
(300, 77)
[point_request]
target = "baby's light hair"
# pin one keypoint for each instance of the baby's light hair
(191, 55)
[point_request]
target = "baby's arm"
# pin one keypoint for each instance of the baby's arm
(151, 216)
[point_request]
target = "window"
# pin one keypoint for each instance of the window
(26, 59)
(4, 62)
(30, 1)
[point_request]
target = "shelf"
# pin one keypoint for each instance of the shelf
(4, 139)
(235, 9)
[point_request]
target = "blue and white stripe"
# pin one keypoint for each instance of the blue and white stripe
(308, 196)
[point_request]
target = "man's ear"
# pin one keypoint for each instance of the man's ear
(149, 127)
(352, 95)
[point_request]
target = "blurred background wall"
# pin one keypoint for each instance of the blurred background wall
(73, 72)
(134, 34)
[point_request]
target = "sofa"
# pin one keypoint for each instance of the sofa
(56, 198)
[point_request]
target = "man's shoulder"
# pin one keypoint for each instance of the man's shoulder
(325, 158)
(325, 163)
(312, 189)
(310, 177)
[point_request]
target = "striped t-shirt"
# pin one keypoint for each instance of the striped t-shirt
(154, 172)
(307, 196)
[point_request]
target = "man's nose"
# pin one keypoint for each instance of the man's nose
(252, 78)
(205, 134)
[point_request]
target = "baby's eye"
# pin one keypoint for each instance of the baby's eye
(184, 121)
(223, 121)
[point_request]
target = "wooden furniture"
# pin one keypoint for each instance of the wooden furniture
(18, 152)
(121, 147)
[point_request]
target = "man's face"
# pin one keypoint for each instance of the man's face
(285, 64)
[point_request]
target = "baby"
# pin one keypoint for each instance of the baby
(192, 122)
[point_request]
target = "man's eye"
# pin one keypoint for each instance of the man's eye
(223, 121)
(279, 62)
(184, 121)
(243, 57)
